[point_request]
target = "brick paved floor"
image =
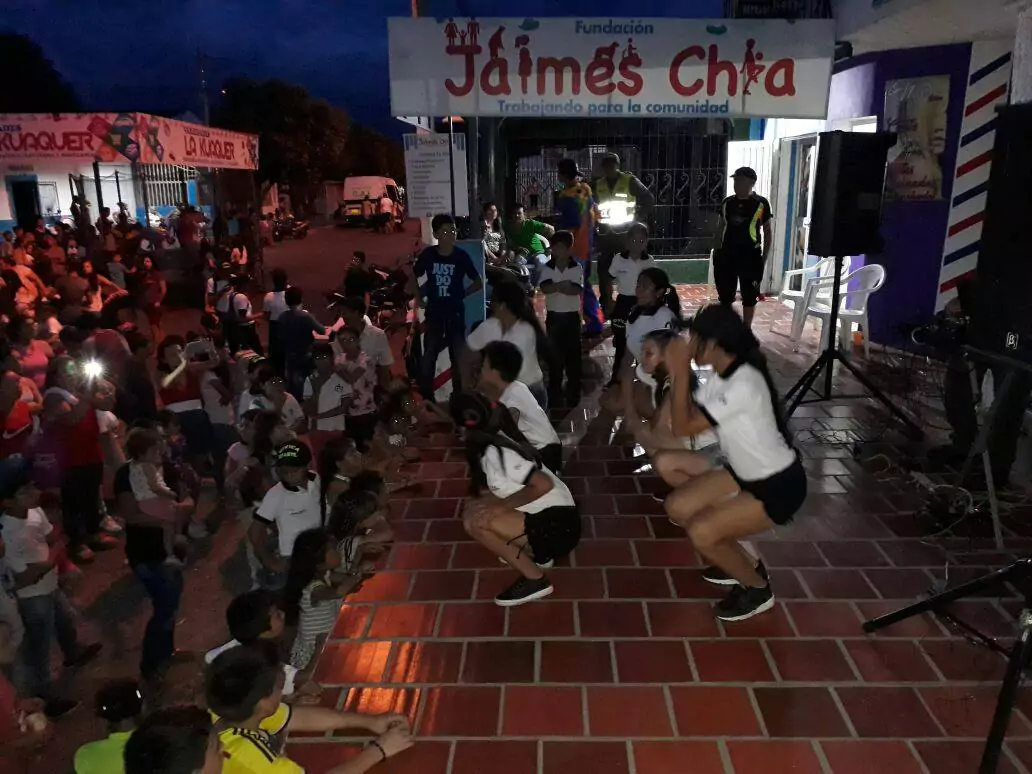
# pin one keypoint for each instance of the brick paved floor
(625, 671)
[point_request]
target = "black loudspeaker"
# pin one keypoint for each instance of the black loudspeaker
(847, 193)
(1002, 317)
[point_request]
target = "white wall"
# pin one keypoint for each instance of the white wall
(57, 172)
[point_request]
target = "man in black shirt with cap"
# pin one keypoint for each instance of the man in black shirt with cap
(740, 258)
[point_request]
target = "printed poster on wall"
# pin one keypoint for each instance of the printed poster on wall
(588, 67)
(427, 179)
(916, 110)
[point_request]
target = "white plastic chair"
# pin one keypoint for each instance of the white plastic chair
(820, 270)
(852, 303)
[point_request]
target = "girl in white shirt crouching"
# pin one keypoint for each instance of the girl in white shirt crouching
(517, 509)
(762, 485)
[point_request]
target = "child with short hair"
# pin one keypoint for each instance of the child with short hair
(288, 509)
(258, 615)
(174, 740)
(562, 282)
(120, 705)
(245, 694)
(30, 550)
(499, 380)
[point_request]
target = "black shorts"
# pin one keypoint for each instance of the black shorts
(552, 456)
(781, 494)
(554, 532)
(732, 268)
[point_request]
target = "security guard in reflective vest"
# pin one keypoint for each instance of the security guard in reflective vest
(622, 199)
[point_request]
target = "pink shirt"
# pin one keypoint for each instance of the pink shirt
(33, 360)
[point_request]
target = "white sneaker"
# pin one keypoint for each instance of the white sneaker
(109, 525)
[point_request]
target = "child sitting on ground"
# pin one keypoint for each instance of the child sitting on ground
(257, 615)
(339, 461)
(312, 595)
(120, 705)
(244, 691)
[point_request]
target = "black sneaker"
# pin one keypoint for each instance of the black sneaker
(524, 590)
(55, 709)
(744, 603)
(84, 656)
(718, 577)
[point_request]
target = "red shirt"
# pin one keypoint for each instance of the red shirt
(17, 430)
(82, 442)
(184, 388)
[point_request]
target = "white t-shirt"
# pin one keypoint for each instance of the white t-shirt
(26, 543)
(289, 672)
(560, 302)
(521, 334)
(507, 472)
(292, 413)
(274, 304)
(625, 272)
(330, 394)
(644, 325)
(291, 512)
(218, 413)
(107, 422)
(533, 421)
(739, 406)
(240, 302)
(374, 343)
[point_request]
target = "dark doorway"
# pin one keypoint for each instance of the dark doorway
(25, 202)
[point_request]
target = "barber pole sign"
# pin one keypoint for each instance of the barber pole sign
(987, 88)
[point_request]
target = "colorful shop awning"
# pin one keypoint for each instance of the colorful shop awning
(123, 137)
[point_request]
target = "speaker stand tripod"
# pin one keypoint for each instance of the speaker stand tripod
(1018, 655)
(826, 363)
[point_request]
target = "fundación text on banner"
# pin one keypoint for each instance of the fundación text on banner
(579, 67)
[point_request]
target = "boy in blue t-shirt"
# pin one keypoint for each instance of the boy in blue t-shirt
(442, 270)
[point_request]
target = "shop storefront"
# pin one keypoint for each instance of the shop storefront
(146, 163)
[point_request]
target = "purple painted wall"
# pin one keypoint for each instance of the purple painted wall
(914, 231)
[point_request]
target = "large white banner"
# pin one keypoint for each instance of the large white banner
(642, 68)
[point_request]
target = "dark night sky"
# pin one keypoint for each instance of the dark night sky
(131, 55)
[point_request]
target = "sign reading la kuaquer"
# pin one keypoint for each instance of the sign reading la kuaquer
(122, 137)
(611, 67)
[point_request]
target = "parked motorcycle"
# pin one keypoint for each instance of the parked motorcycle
(289, 228)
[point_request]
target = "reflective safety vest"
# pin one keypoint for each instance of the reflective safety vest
(616, 204)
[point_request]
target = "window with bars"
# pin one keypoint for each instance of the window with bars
(166, 183)
(683, 162)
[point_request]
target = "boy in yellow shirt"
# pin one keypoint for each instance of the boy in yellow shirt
(244, 689)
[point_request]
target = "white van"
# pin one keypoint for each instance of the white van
(357, 190)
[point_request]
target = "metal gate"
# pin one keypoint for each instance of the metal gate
(682, 161)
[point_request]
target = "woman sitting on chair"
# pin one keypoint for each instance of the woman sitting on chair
(763, 483)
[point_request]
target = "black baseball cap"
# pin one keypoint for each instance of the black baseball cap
(293, 455)
(747, 172)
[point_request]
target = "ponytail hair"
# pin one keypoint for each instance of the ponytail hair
(512, 297)
(487, 423)
(667, 295)
(722, 326)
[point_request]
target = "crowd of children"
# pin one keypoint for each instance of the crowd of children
(305, 448)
